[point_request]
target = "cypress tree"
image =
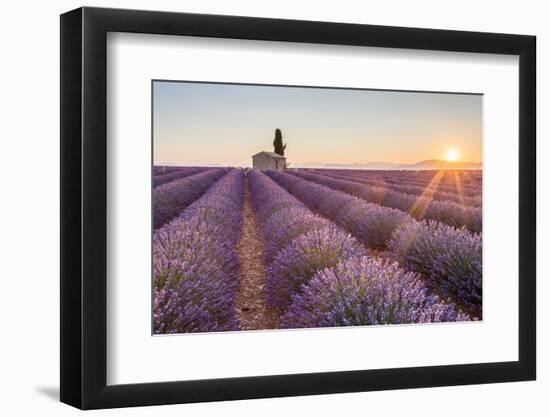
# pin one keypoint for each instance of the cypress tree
(278, 146)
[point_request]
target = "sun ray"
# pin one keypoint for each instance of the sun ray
(423, 201)
(458, 187)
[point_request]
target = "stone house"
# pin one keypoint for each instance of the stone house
(268, 160)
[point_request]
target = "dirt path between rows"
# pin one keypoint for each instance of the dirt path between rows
(252, 309)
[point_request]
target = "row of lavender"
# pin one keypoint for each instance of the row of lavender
(468, 183)
(432, 190)
(446, 181)
(320, 276)
(449, 258)
(172, 198)
(181, 172)
(195, 264)
(165, 169)
(422, 207)
(467, 177)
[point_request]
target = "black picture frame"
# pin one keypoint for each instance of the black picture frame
(84, 207)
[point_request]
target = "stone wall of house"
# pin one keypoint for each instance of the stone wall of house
(265, 162)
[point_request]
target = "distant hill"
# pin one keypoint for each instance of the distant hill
(439, 164)
(428, 164)
(369, 165)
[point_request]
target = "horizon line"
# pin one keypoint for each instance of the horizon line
(323, 163)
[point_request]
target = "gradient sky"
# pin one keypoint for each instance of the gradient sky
(207, 123)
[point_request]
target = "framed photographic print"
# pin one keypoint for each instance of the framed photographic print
(258, 207)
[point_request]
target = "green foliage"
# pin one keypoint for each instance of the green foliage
(278, 146)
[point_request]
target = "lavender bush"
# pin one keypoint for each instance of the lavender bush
(372, 224)
(298, 242)
(455, 215)
(281, 216)
(174, 175)
(194, 299)
(172, 198)
(419, 207)
(286, 225)
(456, 269)
(303, 257)
(164, 169)
(451, 258)
(365, 291)
(417, 190)
(268, 198)
(375, 224)
(459, 183)
(195, 264)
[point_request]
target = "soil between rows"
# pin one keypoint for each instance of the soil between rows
(253, 311)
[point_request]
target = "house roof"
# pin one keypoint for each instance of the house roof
(270, 154)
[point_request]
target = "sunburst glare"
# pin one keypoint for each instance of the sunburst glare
(452, 155)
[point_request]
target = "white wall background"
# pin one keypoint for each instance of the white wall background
(29, 226)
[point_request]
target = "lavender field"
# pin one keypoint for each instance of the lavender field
(240, 249)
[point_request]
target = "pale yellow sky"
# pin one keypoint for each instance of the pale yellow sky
(205, 123)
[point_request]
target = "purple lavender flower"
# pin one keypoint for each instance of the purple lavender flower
(196, 303)
(286, 225)
(176, 174)
(303, 257)
(375, 225)
(195, 264)
(372, 224)
(451, 258)
(365, 291)
(172, 198)
(442, 193)
(450, 212)
(457, 270)
(159, 170)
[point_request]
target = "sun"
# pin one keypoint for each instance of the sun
(452, 155)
